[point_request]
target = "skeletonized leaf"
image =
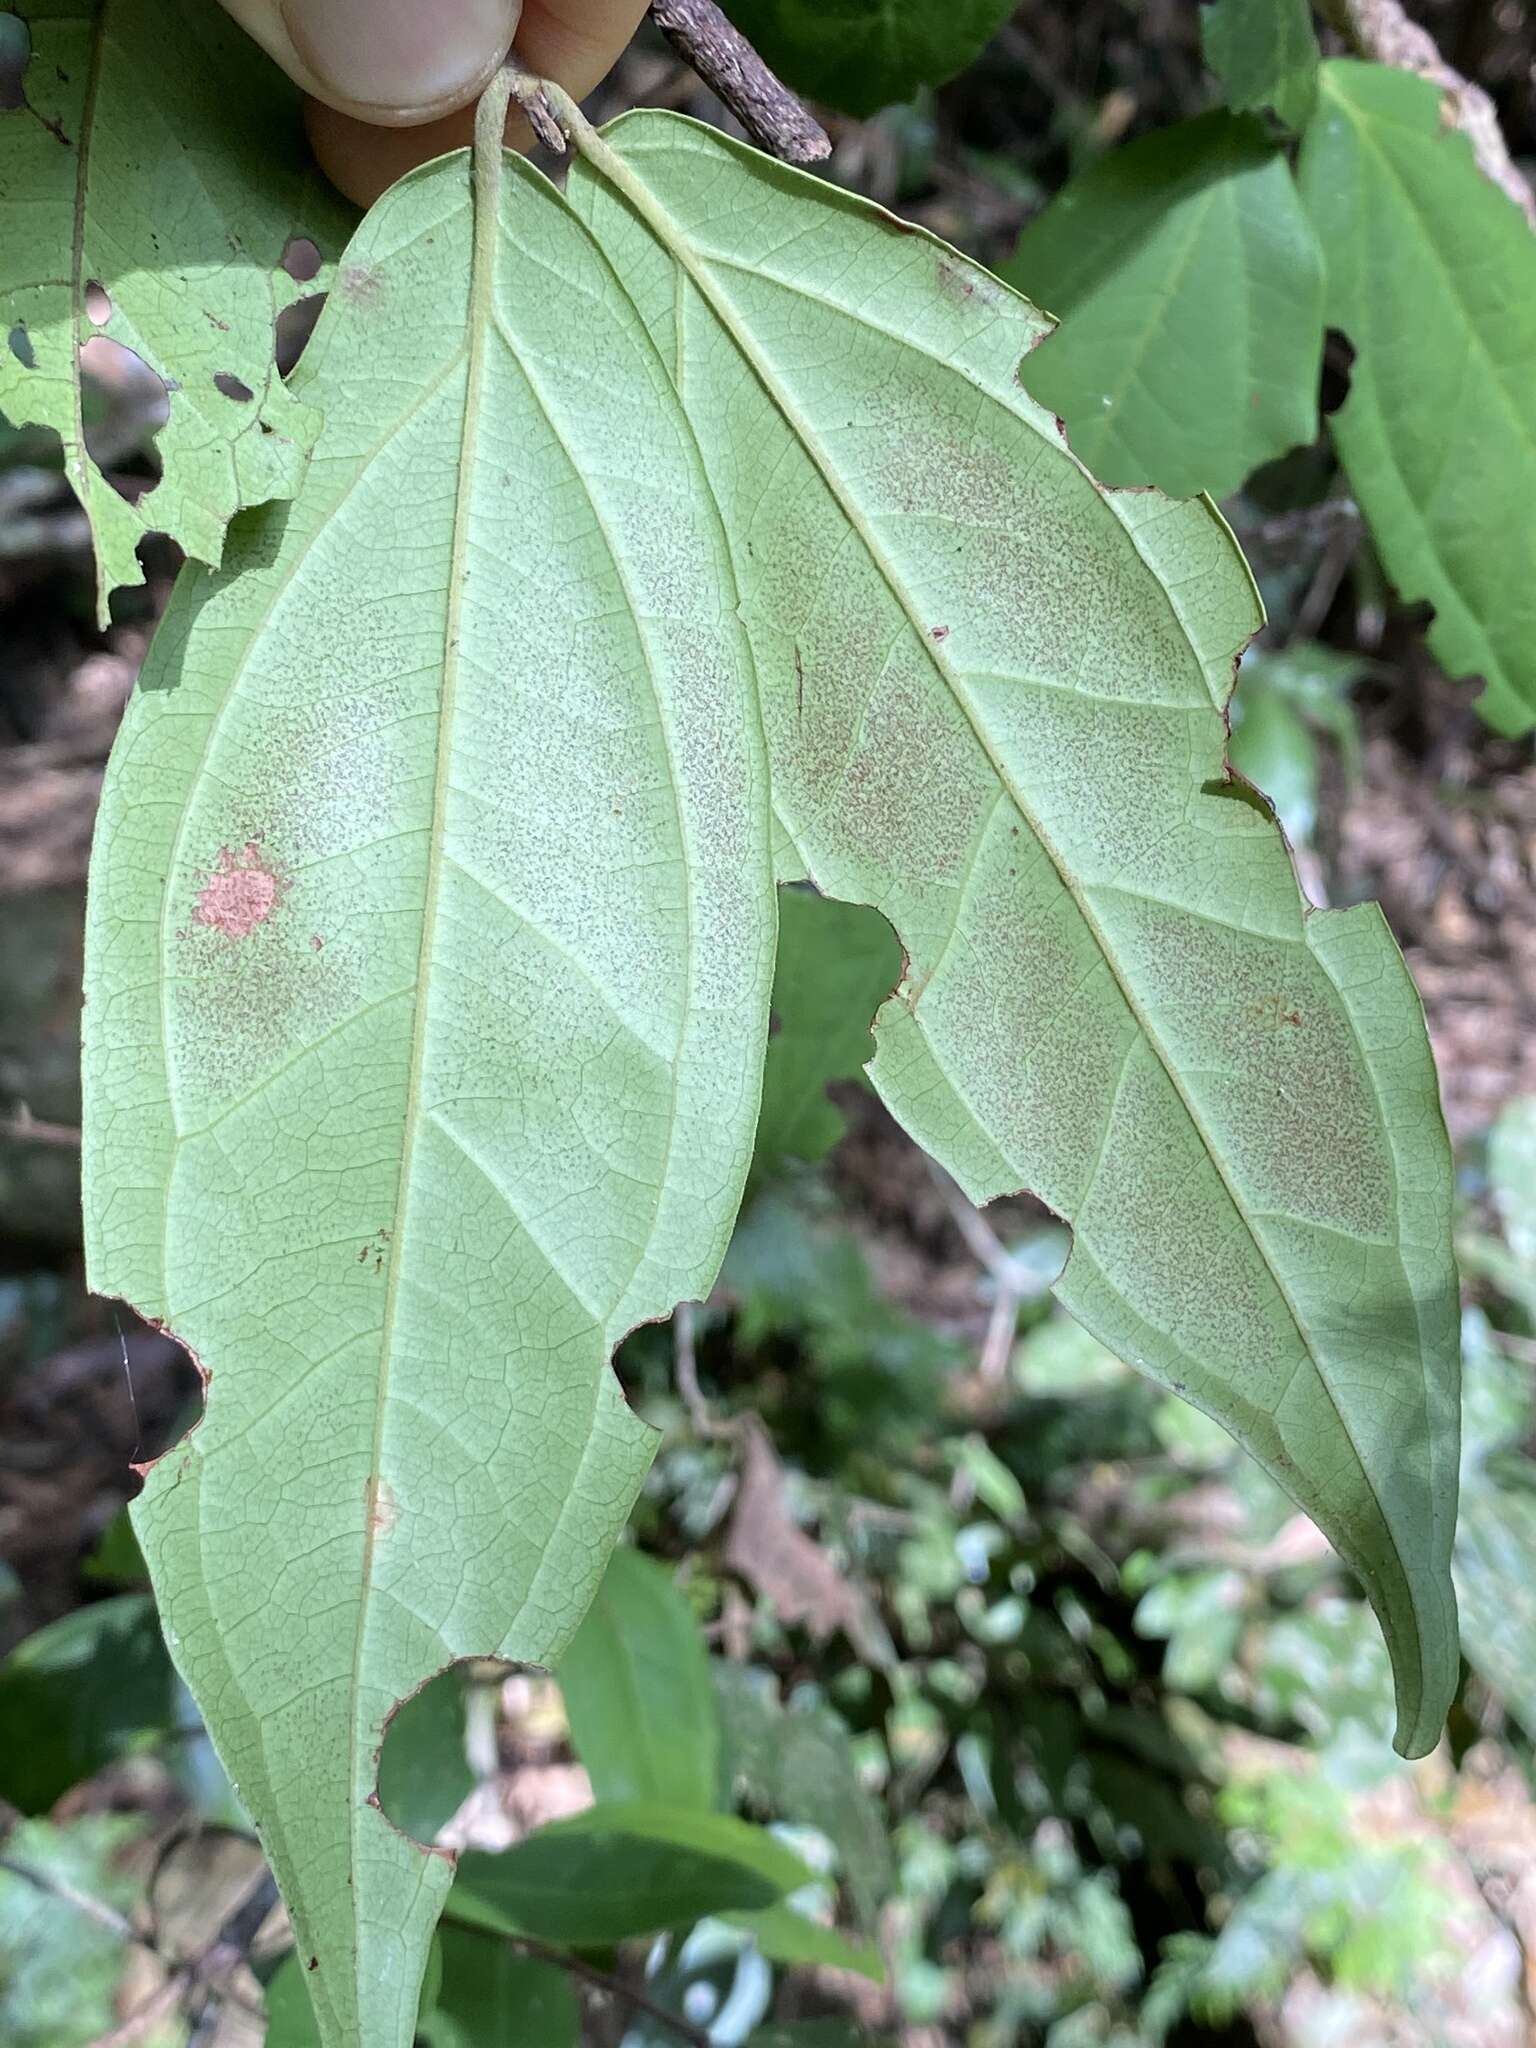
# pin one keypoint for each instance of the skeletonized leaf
(860, 55)
(431, 932)
(1190, 292)
(1432, 275)
(993, 693)
(159, 155)
(1265, 54)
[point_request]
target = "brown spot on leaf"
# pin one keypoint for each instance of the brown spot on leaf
(938, 632)
(241, 893)
(315, 942)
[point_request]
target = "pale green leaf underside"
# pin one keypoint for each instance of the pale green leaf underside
(432, 925)
(992, 696)
(1190, 292)
(1432, 275)
(431, 935)
(151, 158)
(1265, 54)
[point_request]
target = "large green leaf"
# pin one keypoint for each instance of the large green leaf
(161, 155)
(993, 697)
(621, 1870)
(861, 55)
(78, 1694)
(431, 932)
(837, 963)
(1265, 54)
(1190, 291)
(492, 1997)
(1432, 275)
(637, 1692)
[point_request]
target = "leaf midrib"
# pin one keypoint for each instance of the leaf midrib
(676, 240)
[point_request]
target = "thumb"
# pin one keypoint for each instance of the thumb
(391, 62)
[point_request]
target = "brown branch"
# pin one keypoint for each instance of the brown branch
(731, 68)
(1379, 29)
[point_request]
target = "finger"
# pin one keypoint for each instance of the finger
(385, 61)
(573, 41)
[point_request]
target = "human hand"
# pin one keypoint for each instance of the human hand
(391, 83)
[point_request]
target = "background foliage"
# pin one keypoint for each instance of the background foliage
(956, 1684)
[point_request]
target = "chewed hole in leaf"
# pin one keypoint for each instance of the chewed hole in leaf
(231, 386)
(98, 304)
(295, 324)
(301, 259)
(1338, 362)
(15, 54)
(445, 1740)
(125, 406)
(20, 344)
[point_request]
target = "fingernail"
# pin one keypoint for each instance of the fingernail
(402, 56)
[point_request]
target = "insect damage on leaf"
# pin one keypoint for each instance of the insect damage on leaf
(158, 160)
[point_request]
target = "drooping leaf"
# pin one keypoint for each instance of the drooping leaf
(837, 963)
(429, 958)
(861, 55)
(80, 1693)
(637, 1693)
(621, 1870)
(1190, 293)
(1432, 275)
(160, 155)
(798, 1765)
(1265, 54)
(1000, 722)
(491, 1997)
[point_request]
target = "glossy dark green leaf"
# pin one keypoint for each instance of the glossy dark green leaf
(637, 1691)
(618, 1871)
(80, 1693)
(492, 1997)
(860, 55)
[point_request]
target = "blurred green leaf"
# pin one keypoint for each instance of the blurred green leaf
(1272, 747)
(860, 55)
(621, 1870)
(59, 1967)
(1512, 1175)
(1200, 1616)
(1265, 54)
(787, 1936)
(290, 2016)
(492, 1997)
(80, 1693)
(637, 1692)
(808, 2034)
(798, 1764)
(1495, 1543)
(117, 1559)
(837, 963)
(424, 1773)
(1432, 275)
(1190, 291)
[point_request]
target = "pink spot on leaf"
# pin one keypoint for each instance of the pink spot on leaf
(241, 893)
